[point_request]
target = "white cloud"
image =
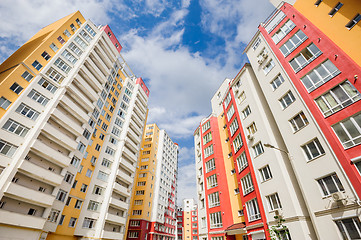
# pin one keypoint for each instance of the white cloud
(185, 154)
(186, 183)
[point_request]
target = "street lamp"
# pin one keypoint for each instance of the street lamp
(271, 146)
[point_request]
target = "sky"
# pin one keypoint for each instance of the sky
(183, 50)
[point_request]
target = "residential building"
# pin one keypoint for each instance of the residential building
(187, 221)
(72, 117)
(310, 86)
(152, 211)
(219, 201)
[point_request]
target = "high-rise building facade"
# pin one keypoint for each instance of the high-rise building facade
(187, 220)
(218, 194)
(72, 119)
(153, 212)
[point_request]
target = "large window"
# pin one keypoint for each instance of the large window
(295, 41)
(237, 143)
(338, 98)
(247, 184)
(298, 121)
(210, 165)
(213, 200)
(216, 220)
(206, 126)
(258, 149)
(313, 149)
(68, 56)
(207, 138)
(287, 99)
(230, 113)
(273, 202)
(349, 131)
(274, 21)
(212, 181)
(4, 103)
(234, 126)
(36, 96)
(7, 149)
(208, 151)
(269, 66)
(253, 210)
(242, 162)
(277, 82)
(320, 75)
(227, 100)
(283, 31)
(246, 112)
(89, 222)
(306, 56)
(350, 228)
(330, 184)
(15, 127)
(265, 173)
(62, 65)
(27, 111)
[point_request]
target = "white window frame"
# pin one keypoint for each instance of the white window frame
(313, 144)
(212, 181)
(213, 200)
(247, 184)
(298, 122)
(215, 220)
(274, 202)
(253, 212)
(242, 162)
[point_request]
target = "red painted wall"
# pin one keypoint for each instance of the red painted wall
(143, 86)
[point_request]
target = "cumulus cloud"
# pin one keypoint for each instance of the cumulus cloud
(185, 154)
(186, 183)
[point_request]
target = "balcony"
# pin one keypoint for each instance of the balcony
(115, 219)
(112, 235)
(88, 76)
(120, 189)
(86, 88)
(101, 62)
(133, 135)
(29, 195)
(75, 109)
(93, 68)
(21, 220)
(67, 122)
(129, 154)
(138, 131)
(131, 144)
(49, 153)
(40, 173)
(79, 96)
(59, 137)
(124, 177)
(119, 204)
(100, 52)
(142, 97)
(127, 165)
(137, 121)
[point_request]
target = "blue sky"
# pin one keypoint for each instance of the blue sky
(183, 50)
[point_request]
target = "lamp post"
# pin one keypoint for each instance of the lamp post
(271, 146)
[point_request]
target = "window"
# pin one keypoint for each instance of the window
(83, 188)
(16, 88)
(137, 212)
(242, 162)
(242, 97)
(258, 149)
(81, 43)
(307, 55)
(268, 67)
(142, 167)
(142, 175)
(273, 202)
(277, 82)
(110, 151)
(27, 111)
(265, 173)
(93, 206)
(215, 220)
(53, 215)
(37, 65)
(318, 2)
(32, 211)
(67, 33)
(78, 204)
(233, 127)
(313, 149)
(247, 184)
(72, 222)
(139, 192)
(62, 65)
(138, 202)
(349, 131)
(61, 195)
(61, 219)
(227, 100)
(81, 147)
(36, 96)
(338, 98)
(134, 223)
(320, 75)
(88, 173)
(133, 234)
(68, 177)
(208, 151)
(358, 166)
(15, 127)
(283, 31)
(287, 99)
(230, 113)
(246, 112)
(7, 149)
(46, 55)
(353, 22)
(274, 21)
(116, 131)
(103, 176)
(207, 138)
(256, 43)
(237, 143)
(53, 74)
(298, 121)
(98, 190)
(330, 184)
(206, 126)
(253, 210)
(106, 163)
(350, 228)
(210, 165)
(85, 36)
(90, 30)
(78, 21)
(143, 183)
(213, 200)
(89, 222)
(47, 85)
(53, 47)
(4, 103)
(74, 48)
(27, 76)
(68, 56)
(251, 129)
(335, 9)
(297, 39)
(72, 27)
(212, 181)
(75, 161)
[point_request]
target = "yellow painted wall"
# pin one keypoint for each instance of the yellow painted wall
(187, 221)
(235, 199)
(13, 67)
(334, 27)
